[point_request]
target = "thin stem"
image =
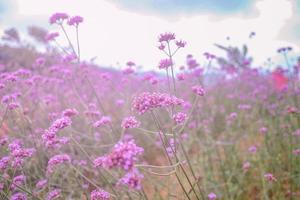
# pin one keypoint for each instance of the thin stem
(69, 41)
(78, 46)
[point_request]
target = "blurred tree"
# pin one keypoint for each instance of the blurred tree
(11, 35)
(37, 33)
(236, 59)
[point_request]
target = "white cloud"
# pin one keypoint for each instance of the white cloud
(115, 35)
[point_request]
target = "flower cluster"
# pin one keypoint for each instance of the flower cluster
(50, 137)
(57, 160)
(148, 101)
(165, 63)
(198, 90)
(132, 179)
(58, 18)
(18, 196)
(18, 153)
(103, 121)
(130, 122)
(54, 194)
(124, 155)
(75, 21)
(179, 118)
(100, 194)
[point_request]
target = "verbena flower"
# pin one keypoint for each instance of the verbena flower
(54, 194)
(100, 194)
(165, 63)
(130, 122)
(166, 37)
(75, 21)
(41, 184)
(179, 118)
(149, 101)
(124, 155)
(18, 196)
(57, 160)
(212, 196)
(198, 90)
(270, 177)
(58, 18)
(103, 121)
(132, 179)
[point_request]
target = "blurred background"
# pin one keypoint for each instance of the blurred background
(115, 31)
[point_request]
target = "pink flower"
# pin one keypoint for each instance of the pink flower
(180, 43)
(246, 166)
(198, 90)
(161, 46)
(165, 63)
(179, 118)
(263, 130)
(149, 101)
(212, 196)
(166, 37)
(75, 21)
(57, 160)
(132, 179)
(58, 18)
(252, 149)
(124, 155)
(70, 112)
(54, 194)
(130, 122)
(103, 121)
(296, 152)
(4, 162)
(100, 194)
(270, 177)
(41, 184)
(18, 196)
(297, 133)
(181, 77)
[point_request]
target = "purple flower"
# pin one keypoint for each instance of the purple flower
(41, 184)
(179, 118)
(103, 121)
(124, 155)
(18, 196)
(54, 194)
(270, 177)
(212, 196)
(57, 160)
(100, 194)
(18, 181)
(252, 149)
(148, 101)
(130, 122)
(166, 37)
(61, 123)
(165, 63)
(70, 112)
(75, 21)
(180, 43)
(198, 90)
(132, 179)
(58, 18)
(4, 161)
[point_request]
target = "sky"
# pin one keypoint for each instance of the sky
(116, 31)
